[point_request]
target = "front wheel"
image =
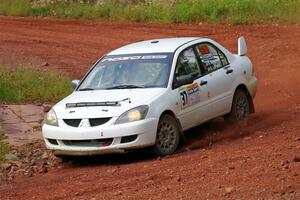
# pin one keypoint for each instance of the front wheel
(240, 108)
(167, 137)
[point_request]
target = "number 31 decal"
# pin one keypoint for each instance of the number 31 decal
(184, 98)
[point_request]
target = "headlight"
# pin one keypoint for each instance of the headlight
(133, 114)
(50, 118)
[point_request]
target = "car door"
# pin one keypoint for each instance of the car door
(193, 98)
(219, 76)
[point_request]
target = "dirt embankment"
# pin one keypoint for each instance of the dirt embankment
(217, 162)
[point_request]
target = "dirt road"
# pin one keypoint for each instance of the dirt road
(217, 162)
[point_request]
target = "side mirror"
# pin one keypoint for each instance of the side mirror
(183, 80)
(242, 47)
(75, 83)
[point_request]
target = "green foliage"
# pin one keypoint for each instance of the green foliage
(15, 7)
(182, 11)
(237, 11)
(32, 85)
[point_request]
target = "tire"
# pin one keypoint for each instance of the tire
(167, 136)
(240, 109)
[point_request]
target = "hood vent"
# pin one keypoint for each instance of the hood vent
(92, 104)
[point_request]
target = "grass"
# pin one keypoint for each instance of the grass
(15, 7)
(25, 84)
(183, 11)
(4, 149)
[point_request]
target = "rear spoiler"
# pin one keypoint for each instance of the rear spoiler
(242, 46)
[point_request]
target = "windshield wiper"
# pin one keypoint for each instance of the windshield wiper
(86, 89)
(124, 87)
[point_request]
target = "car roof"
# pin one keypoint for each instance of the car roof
(164, 45)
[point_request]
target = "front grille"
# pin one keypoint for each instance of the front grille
(89, 143)
(72, 122)
(98, 121)
(127, 139)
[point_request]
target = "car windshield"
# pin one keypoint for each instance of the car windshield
(129, 71)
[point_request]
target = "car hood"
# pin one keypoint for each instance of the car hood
(135, 97)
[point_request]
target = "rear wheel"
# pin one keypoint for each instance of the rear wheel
(167, 137)
(240, 108)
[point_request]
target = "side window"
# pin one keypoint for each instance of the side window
(187, 64)
(211, 57)
(223, 58)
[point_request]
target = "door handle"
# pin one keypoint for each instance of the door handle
(203, 83)
(229, 71)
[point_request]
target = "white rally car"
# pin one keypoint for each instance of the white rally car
(148, 93)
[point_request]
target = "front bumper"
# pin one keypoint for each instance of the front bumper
(65, 140)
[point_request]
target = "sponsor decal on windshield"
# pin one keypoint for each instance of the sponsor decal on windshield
(154, 57)
(124, 58)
